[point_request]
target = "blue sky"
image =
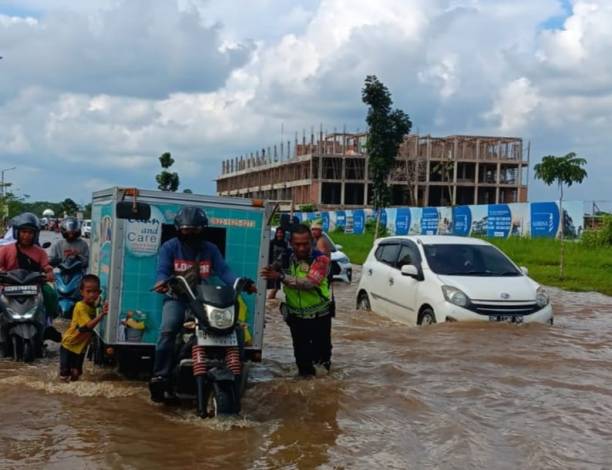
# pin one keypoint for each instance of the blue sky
(91, 93)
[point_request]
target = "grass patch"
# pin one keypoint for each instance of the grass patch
(357, 247)
(586, 268)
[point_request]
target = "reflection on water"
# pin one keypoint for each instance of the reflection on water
(448, 396)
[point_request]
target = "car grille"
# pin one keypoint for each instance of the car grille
(506, 309)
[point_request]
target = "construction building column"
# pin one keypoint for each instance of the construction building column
(427, 170)
(497, 182)
(342, 180)
(455, 169)
(367, 181)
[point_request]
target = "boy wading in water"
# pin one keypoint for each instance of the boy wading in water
(78, 335)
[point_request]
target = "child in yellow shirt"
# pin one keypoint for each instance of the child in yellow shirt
(78, 335)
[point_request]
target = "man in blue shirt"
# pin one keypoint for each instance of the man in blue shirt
(180, 255)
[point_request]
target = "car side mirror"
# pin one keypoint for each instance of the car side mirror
(524, 270)
(410, 270)
(133, 210)
(338, 247)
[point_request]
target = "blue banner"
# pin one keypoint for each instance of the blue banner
(325, 218)
(499, 221)
(544, 219)
(383, 218)
(429, 221)
(462, 221)
(402, 221)
(358, 221)
(340, 219)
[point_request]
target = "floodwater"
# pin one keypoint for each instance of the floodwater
(446, 396)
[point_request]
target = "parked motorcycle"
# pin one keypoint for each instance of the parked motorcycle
(210, 365)
(22, 314)
(67, 285)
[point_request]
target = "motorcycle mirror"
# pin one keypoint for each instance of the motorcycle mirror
(133, 210)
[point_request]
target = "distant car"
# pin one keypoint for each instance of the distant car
(86, 228)
(428, 279)
(338, 257)
(343, 261)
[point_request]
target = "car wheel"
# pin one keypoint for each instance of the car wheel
(427, 317)
(363, 303)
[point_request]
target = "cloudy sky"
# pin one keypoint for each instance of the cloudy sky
(91, 93)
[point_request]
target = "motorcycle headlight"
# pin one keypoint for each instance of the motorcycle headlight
(455, 296)
(542, 298)
(220, 318)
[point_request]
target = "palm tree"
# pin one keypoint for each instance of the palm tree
(565, 170)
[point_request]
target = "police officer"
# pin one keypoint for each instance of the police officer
(308, 300)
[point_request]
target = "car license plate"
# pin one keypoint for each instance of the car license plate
(205, 339)
(507, 318)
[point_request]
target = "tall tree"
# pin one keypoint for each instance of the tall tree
(166, 180)
(565, 170)
(69, 207)
(386, 130)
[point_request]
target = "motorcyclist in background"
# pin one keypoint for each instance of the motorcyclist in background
(72, 244)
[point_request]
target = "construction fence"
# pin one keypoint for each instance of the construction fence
(535, 219)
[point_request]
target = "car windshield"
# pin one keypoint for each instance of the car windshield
(468, 260)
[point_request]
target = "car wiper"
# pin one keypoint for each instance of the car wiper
(508, 273)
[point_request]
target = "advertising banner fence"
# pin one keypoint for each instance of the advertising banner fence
(535, 219)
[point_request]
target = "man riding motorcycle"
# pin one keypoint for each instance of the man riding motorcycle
(72, 244)
(190, 255)
(27, 254)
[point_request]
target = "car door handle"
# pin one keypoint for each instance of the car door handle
(391, 281)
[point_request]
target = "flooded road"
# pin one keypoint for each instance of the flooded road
(447, 396)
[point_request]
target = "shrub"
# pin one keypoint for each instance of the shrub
(601, 236)
(370, 227)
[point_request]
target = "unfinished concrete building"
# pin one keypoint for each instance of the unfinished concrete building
(331, 172)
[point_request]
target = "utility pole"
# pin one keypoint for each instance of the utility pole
(4, 207)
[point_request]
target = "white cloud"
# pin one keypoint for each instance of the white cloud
(107, 87)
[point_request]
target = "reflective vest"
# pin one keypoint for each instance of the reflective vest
(310, 303)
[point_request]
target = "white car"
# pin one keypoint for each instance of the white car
(343, 261)
(86, 228)
(428, 279)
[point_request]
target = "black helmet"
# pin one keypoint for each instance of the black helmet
(70, 225)
(26, 220)
(190, 217)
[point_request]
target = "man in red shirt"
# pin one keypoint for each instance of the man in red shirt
(26, 254)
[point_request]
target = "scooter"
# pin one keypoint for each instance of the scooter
(22, 314)
(67, 285)
(210, 366)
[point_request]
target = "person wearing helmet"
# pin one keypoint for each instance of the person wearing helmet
(190, 255)
(25, 253)
(72, 245)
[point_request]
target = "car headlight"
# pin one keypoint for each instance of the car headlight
(542, 298)
(455, 296)
(220, 318)
(343, 260)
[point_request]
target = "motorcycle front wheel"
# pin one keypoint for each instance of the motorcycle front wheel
(29, 352)
(220, 400)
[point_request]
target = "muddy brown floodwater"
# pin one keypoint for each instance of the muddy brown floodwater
(446, 396)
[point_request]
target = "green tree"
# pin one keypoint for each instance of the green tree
(565, 170)
(166, 180)
(69, 207)
(386, 130)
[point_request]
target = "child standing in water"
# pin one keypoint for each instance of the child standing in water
(78, 335)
